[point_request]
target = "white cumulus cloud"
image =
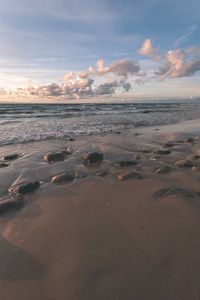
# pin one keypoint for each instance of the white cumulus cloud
(177, 64)
(147, 48)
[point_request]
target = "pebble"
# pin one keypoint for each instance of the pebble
(64, 177)
(167, 145)
(144, 151)
(136, 156)
(163, 170)
(193, 157)
(123, 163)
(155, 157)
(53, 157)
(129, 175)
(184, 163)
(189, 140)
(25, 188)
(11, 203)
(93, 158)
(11, 157)
(162, 151)
(196, 169)
(71, 139)
(3, 165)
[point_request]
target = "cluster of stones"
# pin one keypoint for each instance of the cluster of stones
(16, 199)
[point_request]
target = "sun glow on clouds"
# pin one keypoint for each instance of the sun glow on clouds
(122, 75)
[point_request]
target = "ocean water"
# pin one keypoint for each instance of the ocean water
(21, 123)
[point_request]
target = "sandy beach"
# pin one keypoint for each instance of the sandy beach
(99, 237)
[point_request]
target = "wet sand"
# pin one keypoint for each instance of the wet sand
(101, 237)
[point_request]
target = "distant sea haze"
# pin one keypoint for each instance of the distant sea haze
(21, 123)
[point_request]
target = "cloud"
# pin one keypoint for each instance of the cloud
(81, 84)
(182, 38)
(176, 64)
(123, 68)
(3, 92)
(107, 88)
(126, 86)
(147, 48)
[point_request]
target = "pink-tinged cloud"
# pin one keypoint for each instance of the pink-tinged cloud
(176, 64)
(147, 48)
(122, 68)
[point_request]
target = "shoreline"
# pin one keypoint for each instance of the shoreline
(100, 237)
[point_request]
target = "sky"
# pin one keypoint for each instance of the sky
(108, 50)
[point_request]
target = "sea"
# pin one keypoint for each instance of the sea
(22, 123)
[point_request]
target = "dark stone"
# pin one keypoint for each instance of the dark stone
(91, 158)
(144, 151)
(163, 170)
(184, 163)
(11, 203)
(196, 169)
(167, 145)
(53, 157)
(71, 140)
(193, 157)
(163, 193)
(64, 177)
(122, 164)
(11, 157)
(135, 156)
(129, 175)
(118, 132)
(25, 188)
(146, 111)
(160, 152)
(155, 157)
(136, 134)
(3, 165)
(189, 140)
(102, 173)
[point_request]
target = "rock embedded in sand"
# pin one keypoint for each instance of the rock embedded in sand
(136, 156)
(163, 170)
(11, 203)
(64, 177)
(155, 157)
(25, 188)
(160, 152)
(53, 157)
(144, 151)
(102, 173)
(11, 157)
(3, 165)
(189, 140)
(193, 157)
(129, 175)
(184, 163)
(124, 163)
(91, 158)
(167, 145)
(196, 169)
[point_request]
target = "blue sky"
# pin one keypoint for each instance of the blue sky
(135, 50)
